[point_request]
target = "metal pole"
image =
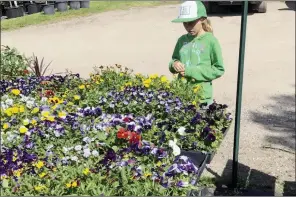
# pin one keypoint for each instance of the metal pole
(239, 92)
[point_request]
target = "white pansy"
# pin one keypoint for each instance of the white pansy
(24, 98)
(95, 153)
(86, 153)
(30, 104)
(3, 106)
(65, 149)
(78, 147)
(4, 97)
(175, 147)
(57, 133)
(181, 131)
(74, 158)
(43, 99)
(86, 139)
(9, 102)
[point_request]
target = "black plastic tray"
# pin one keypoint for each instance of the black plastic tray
(212, 154)
(199, 159)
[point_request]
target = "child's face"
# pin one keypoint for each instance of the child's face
(193, 27)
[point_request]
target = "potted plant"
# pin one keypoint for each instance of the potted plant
(48, 9)
(14, 11)
(84, 4)
(32, 8)
(61, 5)
(75, 5)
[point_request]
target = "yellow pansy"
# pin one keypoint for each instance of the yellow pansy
(15, 110)
(154, 76)
(158, 164)
(26, 122)
(128, 84)
(194, 103)
(82, 87)
(35, 110)
(23, 129)
(43, 174)
(68, 185)
(5, 125)
(45, 114)
(86, 171)
(196, 88)
(15, 91)
(22, 109)
(39, 164)
(14, 158)
(8, 112)
(147, 83)
(74, 184)
(50, 118)
(34, 122)
(54, 107)
(62, 114)
(17, 173)
(163, 79)
(147, 174)
(40, 187)
(76, 97)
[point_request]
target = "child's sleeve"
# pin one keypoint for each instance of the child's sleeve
(209, 72)
(175, 57)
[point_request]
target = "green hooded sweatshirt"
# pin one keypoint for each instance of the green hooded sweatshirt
(203, 61)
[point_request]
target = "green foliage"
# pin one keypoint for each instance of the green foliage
(13, 64)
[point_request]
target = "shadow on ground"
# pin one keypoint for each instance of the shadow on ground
(280, 121)
(289, 188)
(291, 5)
(251, 182)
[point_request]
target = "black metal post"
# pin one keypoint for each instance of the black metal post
(239, 92)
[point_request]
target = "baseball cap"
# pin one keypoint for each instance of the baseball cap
(190, 11)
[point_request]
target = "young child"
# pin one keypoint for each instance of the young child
(197, 55)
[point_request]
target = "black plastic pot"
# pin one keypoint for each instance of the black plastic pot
(62, 6)
(40, 6)
(75, 5)
(84, 4)
(32, 9)
(49, 9)
(14, 12)
(21, 11)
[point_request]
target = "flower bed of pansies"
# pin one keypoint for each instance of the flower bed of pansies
(114, 134)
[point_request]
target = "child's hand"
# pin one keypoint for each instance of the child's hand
(178, 66)
(182, 73)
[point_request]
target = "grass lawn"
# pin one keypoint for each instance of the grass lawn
(95, 7)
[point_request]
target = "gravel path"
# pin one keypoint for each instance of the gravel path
(143, 39)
